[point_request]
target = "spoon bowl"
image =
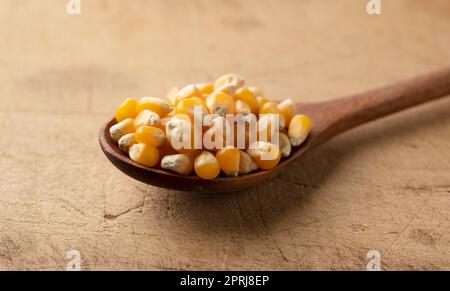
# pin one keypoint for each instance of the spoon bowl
(329, 119)
(165, 179)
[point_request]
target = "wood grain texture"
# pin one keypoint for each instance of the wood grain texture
(384, 187)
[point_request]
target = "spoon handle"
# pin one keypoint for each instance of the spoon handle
(336, 116)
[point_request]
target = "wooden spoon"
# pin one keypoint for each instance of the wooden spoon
(330, 118)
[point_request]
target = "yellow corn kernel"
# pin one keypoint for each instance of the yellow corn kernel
(205, 88)
(256, 91)
(272, 108)
(144, 154)
(269, 108)
(188, 92)
(232, 79)
(248, 97)
(150, 135)
(242, 108)
(287, 108)
(285, 145)
(261, 102)
(146, 117)
(264, 154)
(120, 129)
(299, 129)
(206, 166)
(172, 95)
(221, 104)
(228, 159)
(126, 141)
(126, 110)
(160, 107)
(187, 106)
(180, 163)
(246, 164)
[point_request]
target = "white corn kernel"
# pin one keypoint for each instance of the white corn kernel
(285, 145)
(120, 129)
(180, 163)
(233, 79)
(126, 141)
(228, 89)
(246, 164)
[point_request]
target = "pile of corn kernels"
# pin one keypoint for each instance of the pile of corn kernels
(145, 128)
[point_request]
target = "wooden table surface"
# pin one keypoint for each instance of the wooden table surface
(384, 187)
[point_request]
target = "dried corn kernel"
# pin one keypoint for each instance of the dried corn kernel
(144, 154)
(154, 104)
(269, 108)
(256, 91)
(180, 163)
(221, 104)
(264, 154)
(261, 102)
(232, 79)
(285, 145)
(187, 106)
(205, 88)
(172, 95)
(272, 108)
(126, 110)
(227, 89)
(242, 108)
(188, 92)
(246, 164)
(146, 117)
(248, 97)
(299, 129)
(228, 159)
(126, 141)
(120, 129)
(206, 166)
(151, 136)
(287, 108)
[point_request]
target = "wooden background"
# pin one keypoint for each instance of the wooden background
(385, 186)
